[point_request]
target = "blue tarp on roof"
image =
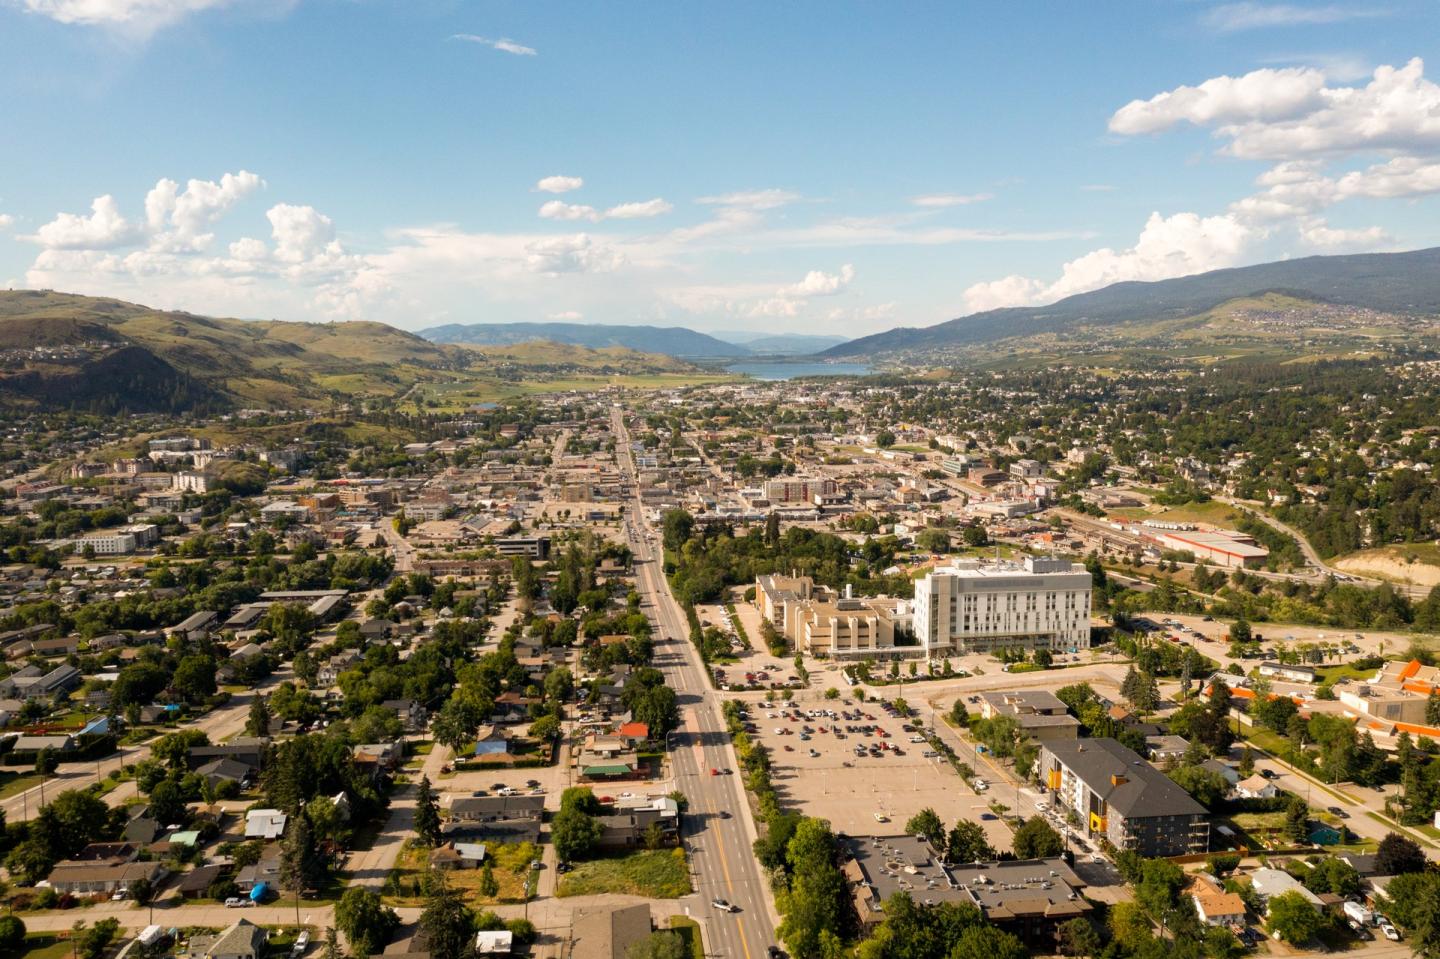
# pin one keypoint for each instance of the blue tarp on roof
(257, 892)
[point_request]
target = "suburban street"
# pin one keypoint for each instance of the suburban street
(719, 830)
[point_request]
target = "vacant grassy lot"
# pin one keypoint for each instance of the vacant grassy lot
(662, 874)
(509, 861)
(1213, 513)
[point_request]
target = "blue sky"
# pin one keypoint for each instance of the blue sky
(812, 167)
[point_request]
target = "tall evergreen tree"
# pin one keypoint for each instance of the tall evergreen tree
(446, 921)
(301, 867)
(258, 723)
(427, 814)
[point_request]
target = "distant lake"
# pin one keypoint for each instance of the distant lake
(789, 371)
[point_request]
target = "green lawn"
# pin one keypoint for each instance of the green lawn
(661, 874)
(689, 930)
(45, 945)
(14, 783)
(1329, 674)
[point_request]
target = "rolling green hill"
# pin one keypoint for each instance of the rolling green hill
(670, 340)
(59, 349)
(1402, 289)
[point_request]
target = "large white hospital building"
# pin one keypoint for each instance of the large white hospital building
(980, 607)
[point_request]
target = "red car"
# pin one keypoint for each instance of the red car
(714, 771)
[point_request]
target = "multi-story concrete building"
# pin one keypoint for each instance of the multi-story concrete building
(980, 607)
(821, 622)
(798, 489)
(1120, 797)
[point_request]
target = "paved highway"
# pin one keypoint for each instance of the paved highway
(719, 831)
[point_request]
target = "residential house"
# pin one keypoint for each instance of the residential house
(242, 940)
(1214, 905)
(264, 824)
(457, 855)
(89, 878)
(609, 932)
(1256, 787)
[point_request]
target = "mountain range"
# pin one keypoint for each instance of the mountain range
(69, 351)
(1398, 284)
(675, 341)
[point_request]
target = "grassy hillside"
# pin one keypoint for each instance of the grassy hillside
(1273, 327)
(95, 353)
(1393, 284)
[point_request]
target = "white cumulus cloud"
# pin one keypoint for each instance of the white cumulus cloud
(300, 232)
(6, 221)
(559, 184)
(1267, 94)
(560, 210)
(1177, 245)
(181, 218)
(105, 228)
(571, 254)
(820, 283)
(568, 316)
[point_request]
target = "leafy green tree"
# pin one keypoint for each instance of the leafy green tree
(12, 933)
(1036, 840)
(927, 823)
(427, 814)
(366, 922)
(988, 942)
(665, 944)
(967, 843)
(1077, 937)
(1207, 786)
(574, 834)
(1292, 917)
(97, 938)
(1398, 855)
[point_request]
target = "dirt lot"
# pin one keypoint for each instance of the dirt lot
(895, 786)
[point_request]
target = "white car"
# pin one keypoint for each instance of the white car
(1390, 931)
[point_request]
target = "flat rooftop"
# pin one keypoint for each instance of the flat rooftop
(885, 865)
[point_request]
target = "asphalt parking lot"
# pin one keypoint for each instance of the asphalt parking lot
(822, 776)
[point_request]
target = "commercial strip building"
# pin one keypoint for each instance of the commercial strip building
(1042, 603)
(1029, 898)
(1039, 714)
(1121, 798)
